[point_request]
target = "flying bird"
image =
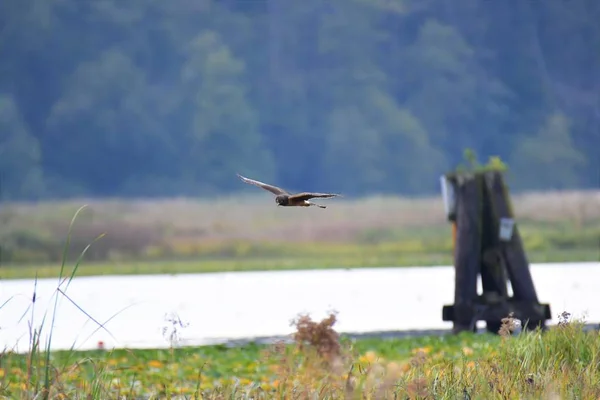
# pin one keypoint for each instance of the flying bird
(286, 199)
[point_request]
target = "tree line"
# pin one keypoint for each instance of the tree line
(165, 98)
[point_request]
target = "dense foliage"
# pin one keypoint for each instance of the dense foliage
(162, 98)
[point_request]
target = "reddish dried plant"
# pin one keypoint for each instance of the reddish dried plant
(319, 336)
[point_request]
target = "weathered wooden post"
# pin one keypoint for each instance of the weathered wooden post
(466, 261)
(488, 244)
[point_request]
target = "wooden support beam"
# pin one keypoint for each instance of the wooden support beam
(481, 208)
(512, 250)
(466, 260)
(492, 267)
(523, 310)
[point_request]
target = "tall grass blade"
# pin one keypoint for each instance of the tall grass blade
(102, 326)
(78, 262)
(85, 313)
(46, 388)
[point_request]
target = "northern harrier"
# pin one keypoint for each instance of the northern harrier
(286, 199)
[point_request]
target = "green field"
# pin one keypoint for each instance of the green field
(186, 236)
(271, 264)
(563, 362)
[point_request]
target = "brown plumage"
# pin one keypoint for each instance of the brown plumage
(285, 199)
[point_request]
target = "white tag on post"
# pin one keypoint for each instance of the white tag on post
(507, 226)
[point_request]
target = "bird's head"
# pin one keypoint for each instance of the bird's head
(282, 200)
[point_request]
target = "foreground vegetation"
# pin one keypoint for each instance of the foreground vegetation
(563, 362)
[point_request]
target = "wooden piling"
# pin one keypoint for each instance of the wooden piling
(466, 261)
(482, 202)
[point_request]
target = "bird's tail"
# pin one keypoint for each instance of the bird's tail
(318, 205)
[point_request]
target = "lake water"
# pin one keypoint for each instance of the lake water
(213, 307)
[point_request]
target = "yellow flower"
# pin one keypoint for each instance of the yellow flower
(155, 364)
(471, 364)
(245, 381)
(425, 350)
(369, 357)
(1, 373)
(467, 351)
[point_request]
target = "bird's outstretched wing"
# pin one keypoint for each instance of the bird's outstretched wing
(273, 189)
(310, 195)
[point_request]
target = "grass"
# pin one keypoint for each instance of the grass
(366, 260)
(563, 362)
(184, 235)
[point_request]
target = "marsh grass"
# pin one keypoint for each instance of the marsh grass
(560, 363)
(183, 235)
(42, 376)
(382, 259)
